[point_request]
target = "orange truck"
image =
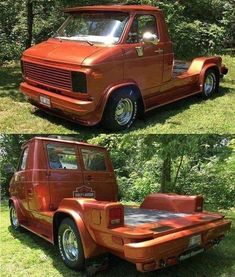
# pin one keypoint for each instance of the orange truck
(66, 192)
(109, 64)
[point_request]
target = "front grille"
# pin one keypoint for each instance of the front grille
(55, 77)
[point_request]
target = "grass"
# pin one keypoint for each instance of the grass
(192, 115)
(25, 254)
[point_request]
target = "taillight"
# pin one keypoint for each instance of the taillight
(115, 216)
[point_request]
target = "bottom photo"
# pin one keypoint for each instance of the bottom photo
(116, 205)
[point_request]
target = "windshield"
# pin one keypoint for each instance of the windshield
(94, 27)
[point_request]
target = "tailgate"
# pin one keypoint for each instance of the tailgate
(175, 244)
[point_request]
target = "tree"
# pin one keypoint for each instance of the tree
(193, 32)
(30, 19)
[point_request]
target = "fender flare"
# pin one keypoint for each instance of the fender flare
(20, 215)
(112, 89)
(201, 65)
(89, 245)
(204, 70)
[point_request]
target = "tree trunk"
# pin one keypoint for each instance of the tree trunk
(166, 175)
(29, 7)
(178, 170)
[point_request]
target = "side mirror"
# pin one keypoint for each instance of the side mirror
(150, 38)
(10, 169)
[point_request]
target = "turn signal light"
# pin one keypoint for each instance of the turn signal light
(115, 216)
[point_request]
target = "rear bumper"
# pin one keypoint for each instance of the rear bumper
(170, 249)
(69, 108)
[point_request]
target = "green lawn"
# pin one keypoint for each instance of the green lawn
(25, 254)
(192, 115)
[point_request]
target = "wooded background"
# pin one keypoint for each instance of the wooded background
(184, 164)
(197, 27)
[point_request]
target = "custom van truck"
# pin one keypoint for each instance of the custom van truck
(110, 64)
(66, 192)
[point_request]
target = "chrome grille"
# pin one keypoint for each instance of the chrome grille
(54, 77)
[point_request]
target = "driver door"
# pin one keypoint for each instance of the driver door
(143, 62)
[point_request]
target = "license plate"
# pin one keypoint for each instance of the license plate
(45, 101)
(195, 241)
(191, 254)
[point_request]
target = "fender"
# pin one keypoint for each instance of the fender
(19, 212)
(107, 93)
(201, 65)
(203, 72)
(90, 247)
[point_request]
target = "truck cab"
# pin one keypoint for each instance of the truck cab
(66, 192)
(109, 64)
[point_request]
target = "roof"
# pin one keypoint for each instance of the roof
(121, 8)
(70, 141)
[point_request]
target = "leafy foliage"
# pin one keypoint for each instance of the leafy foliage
(199, 164)
(197, 27)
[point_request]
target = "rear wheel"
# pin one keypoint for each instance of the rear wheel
(70, 245)
(121, 110)
(211, 84)
(13, 218)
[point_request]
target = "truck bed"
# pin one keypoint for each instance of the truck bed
(137, 216)
(180, 68)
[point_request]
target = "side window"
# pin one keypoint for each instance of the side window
(94, 160)
(62, 157)
(142, 24)
(23, 161)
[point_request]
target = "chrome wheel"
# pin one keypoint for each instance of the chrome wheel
(210, 83)
(14, 218)
(70, 245)
(124, 111)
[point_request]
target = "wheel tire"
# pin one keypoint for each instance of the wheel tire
(210, 84)
(121, 110)
(68, 233)
(13, 218)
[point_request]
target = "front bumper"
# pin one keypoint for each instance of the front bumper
(170, 249)
(62, 106)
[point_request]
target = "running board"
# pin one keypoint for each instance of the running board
(173, 100)
(34, 230)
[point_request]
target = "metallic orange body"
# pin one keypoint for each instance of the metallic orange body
(43, 197)
(109, 67)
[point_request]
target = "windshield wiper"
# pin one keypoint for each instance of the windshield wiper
(87, 41)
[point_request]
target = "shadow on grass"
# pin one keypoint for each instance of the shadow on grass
(10, 78)
(156, 116)
(216, 262)
(164, 113)
(87, 132)
(34, 242)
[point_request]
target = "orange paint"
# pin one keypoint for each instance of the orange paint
(44, 190)
(47, 70)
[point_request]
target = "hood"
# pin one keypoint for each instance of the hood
(62, 51)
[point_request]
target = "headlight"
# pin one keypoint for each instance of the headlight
(79, 82)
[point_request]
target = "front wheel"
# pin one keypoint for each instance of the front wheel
(70, 245)
(211, 84)
(121, 110)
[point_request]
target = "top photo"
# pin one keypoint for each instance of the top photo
(95, 67)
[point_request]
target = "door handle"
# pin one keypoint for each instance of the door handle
(159, 51)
